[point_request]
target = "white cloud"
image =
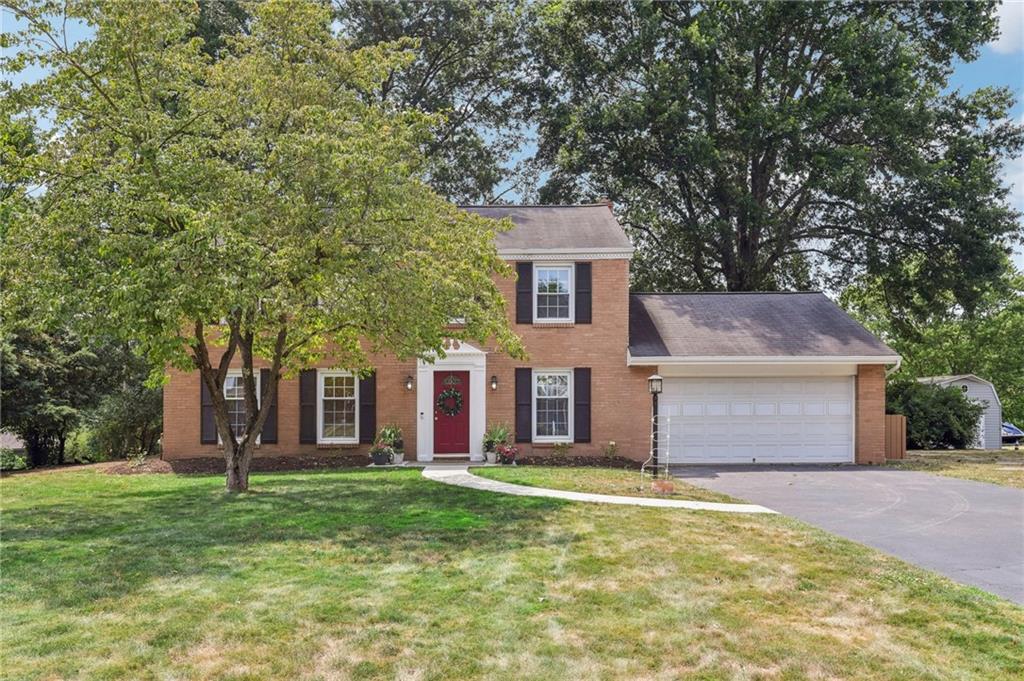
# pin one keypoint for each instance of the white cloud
(1011, 27)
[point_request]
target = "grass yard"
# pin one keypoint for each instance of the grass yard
(382, 574)
(1001, 467)
(619, 481)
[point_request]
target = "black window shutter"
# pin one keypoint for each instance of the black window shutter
(524, 293)
(307, 406)
(581, 405)
(524, 405)
(584, 293)
(368, 408)
(207, 424)
(269, 434)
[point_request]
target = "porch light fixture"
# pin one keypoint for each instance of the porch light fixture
(408, 382)
(494, 382)
(654, 386)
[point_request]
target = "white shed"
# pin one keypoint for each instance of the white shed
(978, 390)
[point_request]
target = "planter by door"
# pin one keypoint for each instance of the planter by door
(451, 420)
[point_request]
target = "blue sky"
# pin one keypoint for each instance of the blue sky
(1000, 63)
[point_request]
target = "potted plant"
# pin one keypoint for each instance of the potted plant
(382, 454)
(507, 453)
(391, 435)
(497, 434)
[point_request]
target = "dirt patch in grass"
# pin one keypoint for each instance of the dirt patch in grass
(135, 467)
(999, 467)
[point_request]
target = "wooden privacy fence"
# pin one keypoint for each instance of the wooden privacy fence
(895, 436)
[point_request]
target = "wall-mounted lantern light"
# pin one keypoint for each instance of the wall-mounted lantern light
(408, 382)
(494, 382)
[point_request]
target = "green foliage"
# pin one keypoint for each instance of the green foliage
(611, 449)
(11, 460)
(267, 202)
(986, 342)
(759, 146)
(496, 434)
(50, 380)
(390, 434)
(468, 66)
(937, 417)
(561, 449)
(127, 423)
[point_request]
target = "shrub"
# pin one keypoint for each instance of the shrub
(561, 448)
(126, 423)
(937, 417)
(11, 460)
(497, 434)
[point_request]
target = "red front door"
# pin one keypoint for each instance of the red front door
(451, 421)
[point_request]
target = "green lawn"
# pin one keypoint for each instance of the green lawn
(382, 574)
(1001, 467)
(596, 480)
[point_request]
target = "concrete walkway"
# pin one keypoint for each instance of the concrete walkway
(461, 477)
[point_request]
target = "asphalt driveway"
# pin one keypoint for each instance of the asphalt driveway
(972, 532)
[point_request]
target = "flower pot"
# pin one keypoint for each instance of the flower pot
(398, 458)
(380, 459)
(492, 457)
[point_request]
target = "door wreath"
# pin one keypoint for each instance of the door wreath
(449, 402)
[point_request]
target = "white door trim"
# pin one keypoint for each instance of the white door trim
(461, 356)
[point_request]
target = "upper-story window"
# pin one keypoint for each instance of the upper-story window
(552, 299)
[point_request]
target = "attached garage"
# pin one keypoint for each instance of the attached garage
(757, 420)
(761, 378)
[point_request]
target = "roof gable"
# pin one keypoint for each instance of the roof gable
(747, 325)
(560, 230)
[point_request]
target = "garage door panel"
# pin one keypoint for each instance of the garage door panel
(764, 420)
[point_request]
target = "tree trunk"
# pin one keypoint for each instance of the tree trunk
(238, 463)
(61, 439)
(36, 451)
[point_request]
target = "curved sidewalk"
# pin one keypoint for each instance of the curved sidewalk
(461, 477)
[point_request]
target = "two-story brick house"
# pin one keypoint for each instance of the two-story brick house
(747, 377)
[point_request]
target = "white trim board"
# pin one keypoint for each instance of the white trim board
(761, 359)
(461, 357)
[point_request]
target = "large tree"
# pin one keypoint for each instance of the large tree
(754, 146)
(266, 202)
(939, 337)
(470, 65)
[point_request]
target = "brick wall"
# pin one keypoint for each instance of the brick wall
(620, 405)
(870, 414)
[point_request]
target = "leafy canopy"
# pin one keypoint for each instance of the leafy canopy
(269, 189)
(759, 146)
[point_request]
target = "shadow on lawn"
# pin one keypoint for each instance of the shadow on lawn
(116, 541)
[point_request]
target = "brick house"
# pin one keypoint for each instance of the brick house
(764, 377)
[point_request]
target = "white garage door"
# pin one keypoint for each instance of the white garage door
(757, 420)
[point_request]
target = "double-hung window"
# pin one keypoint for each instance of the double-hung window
(234, 395)
(552, 298)
(337, 402)
(552, 405)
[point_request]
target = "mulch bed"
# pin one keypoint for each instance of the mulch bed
(273, 464)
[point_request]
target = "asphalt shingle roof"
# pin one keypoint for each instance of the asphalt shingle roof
(579, 228)
(746, 325)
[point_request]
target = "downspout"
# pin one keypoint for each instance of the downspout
(895, 367)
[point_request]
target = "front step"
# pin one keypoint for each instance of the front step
(452, 458)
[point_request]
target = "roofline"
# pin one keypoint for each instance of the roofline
(531, 205)
(598, 253)
(723, 293)
(761, 359)
(960, 377)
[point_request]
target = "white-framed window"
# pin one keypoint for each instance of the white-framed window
(234, 395)
(552, 405)
(553, 293)
(337, 407)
